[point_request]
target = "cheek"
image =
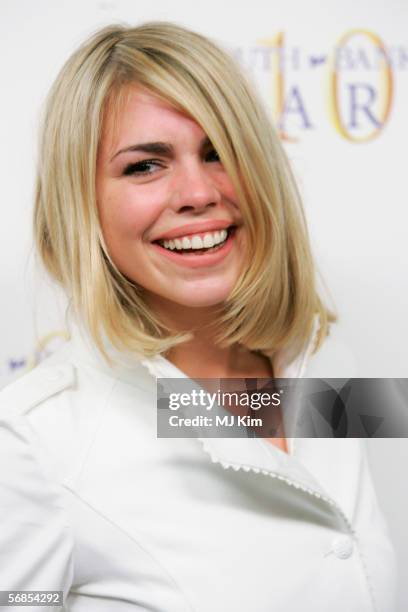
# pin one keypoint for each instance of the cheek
(125, 216)
(227, 188)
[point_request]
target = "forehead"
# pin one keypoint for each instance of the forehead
(139, 114)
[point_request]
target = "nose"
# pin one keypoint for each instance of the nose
(194, 188)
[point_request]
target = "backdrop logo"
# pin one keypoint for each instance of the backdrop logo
(354, 79)
(45, 346)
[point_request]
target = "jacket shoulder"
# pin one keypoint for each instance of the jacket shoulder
(32, 509)
(35, 387)
(59, 405)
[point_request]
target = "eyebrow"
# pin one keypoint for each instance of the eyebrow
(157, 148)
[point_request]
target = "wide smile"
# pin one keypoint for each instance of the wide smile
(201, 257)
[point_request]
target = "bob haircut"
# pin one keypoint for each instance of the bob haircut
(275, 302)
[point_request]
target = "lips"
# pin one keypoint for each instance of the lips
(196, 259)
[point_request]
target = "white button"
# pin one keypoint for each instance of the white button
(342, 547)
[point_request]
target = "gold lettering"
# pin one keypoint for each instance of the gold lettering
(278, 81)
(385, 87)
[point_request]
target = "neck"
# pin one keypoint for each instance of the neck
(201, 357)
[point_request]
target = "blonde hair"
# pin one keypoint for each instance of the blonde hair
(275, 301)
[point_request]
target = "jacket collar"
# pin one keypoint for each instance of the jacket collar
(254, 454)
(159, 366)
(248, 454)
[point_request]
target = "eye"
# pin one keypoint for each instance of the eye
(142, 168)
(212, 156)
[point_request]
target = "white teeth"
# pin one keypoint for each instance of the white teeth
(196, 242)
(220, 236)
(209, 240)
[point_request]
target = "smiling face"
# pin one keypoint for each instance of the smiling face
(160, 188)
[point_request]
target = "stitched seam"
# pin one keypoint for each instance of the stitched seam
(247, 468)
(20, 424)
(49, 391)
(77, 361)
(75, 477)
(366, 574)
(141, 547)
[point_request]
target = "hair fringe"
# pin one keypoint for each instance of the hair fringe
(275, 301)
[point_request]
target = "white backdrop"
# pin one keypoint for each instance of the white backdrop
(341, 110)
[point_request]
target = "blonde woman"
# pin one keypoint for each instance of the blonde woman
(166, 209)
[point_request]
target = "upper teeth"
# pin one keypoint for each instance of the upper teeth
(196, 242)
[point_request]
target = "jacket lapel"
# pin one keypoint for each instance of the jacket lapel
(248, 454)
(255, 454)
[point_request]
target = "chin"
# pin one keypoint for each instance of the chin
(201, 295)
(197, 294)
(197, 301)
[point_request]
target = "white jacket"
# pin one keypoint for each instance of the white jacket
(94, 504)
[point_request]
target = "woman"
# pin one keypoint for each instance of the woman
(166, 209)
